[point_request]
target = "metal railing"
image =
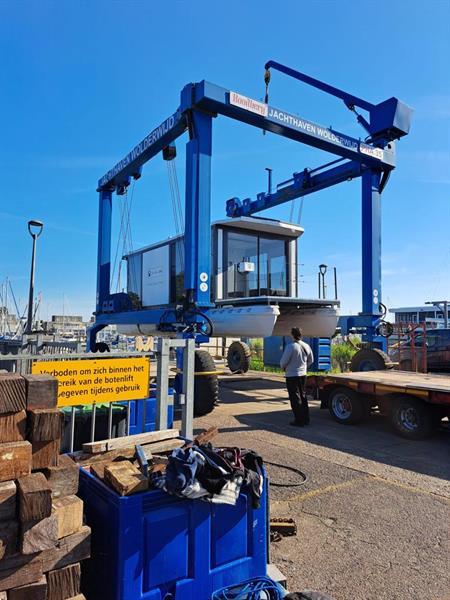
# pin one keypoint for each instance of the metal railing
(21, 364)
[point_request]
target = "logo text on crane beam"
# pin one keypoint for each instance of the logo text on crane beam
(249, 104)
(148, 141)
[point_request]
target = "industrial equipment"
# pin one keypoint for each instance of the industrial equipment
(254, 282)
(372, 159)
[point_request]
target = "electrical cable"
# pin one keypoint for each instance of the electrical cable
(293, 469)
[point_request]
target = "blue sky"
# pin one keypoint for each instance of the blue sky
(83, 82)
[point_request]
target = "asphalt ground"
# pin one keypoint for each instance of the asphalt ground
(373, 517)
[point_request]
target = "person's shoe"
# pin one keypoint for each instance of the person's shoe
(296, 424)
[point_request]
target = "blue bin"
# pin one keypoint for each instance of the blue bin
(151, 544)
(136, 414)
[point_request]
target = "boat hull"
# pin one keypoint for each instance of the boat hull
(314, 322)
(257, 321)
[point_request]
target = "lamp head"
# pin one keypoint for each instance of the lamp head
(35, 228)
(323, 269)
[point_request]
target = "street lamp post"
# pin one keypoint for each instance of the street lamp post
(322, 286)
(35, 228)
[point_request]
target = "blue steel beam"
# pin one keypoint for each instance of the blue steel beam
(349, 99)
(302, 184)
(197, 240)
(130, 166)
(218, 100)
(215, 99)
(104, 248)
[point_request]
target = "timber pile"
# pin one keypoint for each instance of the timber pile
(115, 463)
(42, 536)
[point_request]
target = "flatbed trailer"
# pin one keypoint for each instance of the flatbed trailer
(415, 403)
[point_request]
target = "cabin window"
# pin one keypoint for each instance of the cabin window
(272, 267)
(254, 265)
(242, 265)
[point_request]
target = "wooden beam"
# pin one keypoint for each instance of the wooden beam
(42, 391)
(45, 454)
(86, 459)
(63, 479)
(13, 426)
(125, 478)
(71, 549)
(12, 393)
(35, 498)
(8, 496)
(30, 591)
(15, 460)
(130, 440)
(39, 535)
(69, 512)
(9, 537)
(64, 583)
(18, 570)
(45, 424)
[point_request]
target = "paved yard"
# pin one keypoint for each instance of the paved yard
(373, 517)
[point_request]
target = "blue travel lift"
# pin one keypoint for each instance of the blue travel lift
(372, 159)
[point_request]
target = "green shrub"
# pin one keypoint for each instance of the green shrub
(341, 355)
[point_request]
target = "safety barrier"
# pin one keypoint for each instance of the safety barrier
(23, 364)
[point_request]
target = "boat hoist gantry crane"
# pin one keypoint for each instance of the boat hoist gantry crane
(371, 158)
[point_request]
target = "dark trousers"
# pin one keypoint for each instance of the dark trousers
(297, 396)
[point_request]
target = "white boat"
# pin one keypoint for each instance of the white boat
(254, 282)
(228, 321)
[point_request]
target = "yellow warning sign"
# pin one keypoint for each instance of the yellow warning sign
(89, 381)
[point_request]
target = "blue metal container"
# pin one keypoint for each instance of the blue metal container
(137, 414)
(150, 545)
(274, 347)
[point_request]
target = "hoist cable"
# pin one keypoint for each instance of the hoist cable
(119, 239)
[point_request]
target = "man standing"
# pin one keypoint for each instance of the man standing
(297, 357)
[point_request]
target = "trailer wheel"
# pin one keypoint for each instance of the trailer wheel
(206, 387)
(411, 417)
(346, 406)
(238, 357)
(370, 360)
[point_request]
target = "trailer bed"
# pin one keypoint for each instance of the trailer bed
(415, 402)
(389, 381)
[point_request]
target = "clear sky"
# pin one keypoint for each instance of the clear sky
(82, 82)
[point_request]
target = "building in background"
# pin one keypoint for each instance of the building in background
(430, 314)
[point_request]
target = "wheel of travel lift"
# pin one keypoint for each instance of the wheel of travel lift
(206, 387)
(101, 347)
(346, 406)
(238, 357)
(368, 359)
(411, 417)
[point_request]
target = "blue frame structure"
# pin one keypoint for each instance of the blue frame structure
(373, 159)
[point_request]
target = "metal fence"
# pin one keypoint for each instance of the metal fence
(21, 363)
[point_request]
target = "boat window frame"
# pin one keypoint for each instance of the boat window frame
(265, 235)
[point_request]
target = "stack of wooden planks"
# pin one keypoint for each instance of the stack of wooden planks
(115, 462)
(42, 536)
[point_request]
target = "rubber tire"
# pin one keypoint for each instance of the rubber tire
(377, 359)
(206, 387)
(359, 410)
(424, 415)
(101, 347)
(238, 357)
